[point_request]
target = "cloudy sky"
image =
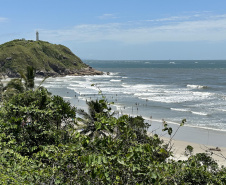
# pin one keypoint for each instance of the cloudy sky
(121, 29)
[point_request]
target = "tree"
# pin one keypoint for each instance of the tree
(1, 89)
(34, 119)
(29, 77)
(15, 86)
(96, 109)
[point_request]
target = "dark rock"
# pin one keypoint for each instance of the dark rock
(12, 74)
(2, 63)
(40, 73)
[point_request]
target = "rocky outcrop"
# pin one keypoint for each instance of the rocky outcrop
(39, 73)
(81, 72)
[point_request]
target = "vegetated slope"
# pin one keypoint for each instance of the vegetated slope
(48, 59)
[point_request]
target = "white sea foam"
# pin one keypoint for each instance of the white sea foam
(181, 110)
(167, 94)
(119, 107)
(52, 86)
(107, 74)
(220, 109)
(199, 113)
(196, 86)
(68, 97)
(113, 80)
(203, 94)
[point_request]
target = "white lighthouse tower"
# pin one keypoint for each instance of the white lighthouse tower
(37, 36)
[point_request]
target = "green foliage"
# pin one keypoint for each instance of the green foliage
(29, 77)
(93, 121)
(1, 89)
(198, 169)
(15, 86)
(34, 119)
(189, 150)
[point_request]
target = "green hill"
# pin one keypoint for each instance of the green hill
(48, 59)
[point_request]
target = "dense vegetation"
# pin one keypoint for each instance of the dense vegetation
(45, 57)
(45, 140)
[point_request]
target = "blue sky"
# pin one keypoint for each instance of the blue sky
(121, 29)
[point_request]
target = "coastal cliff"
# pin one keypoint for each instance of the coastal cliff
(48, 59)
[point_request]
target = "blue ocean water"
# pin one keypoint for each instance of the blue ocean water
(169, 90)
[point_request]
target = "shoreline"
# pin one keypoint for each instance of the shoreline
(199, 135)
(202, 140)
(178, 149)
(191, 134)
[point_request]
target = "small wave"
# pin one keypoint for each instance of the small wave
(223, 110)
(52, 86)
(200, 113)
(67, 97)
(125, 85)
(181, 110)
(119, 107)
(172, 63)
(197, 86)
(202, 94)
(110, 73)
(112, 80)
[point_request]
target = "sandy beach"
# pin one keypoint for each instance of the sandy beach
(202, 140)
(178, 149)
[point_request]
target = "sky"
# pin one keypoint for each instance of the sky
(121, 29)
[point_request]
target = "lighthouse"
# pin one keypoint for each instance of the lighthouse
(37, 36)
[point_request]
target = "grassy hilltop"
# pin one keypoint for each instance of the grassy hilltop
(48, 59)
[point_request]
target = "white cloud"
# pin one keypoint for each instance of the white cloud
(211, 28)
(172, 18)
(3, 19)
(107, 16)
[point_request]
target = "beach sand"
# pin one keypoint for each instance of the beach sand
(178, 149)
(201, 139)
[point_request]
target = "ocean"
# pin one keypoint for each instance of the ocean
(169, 90)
